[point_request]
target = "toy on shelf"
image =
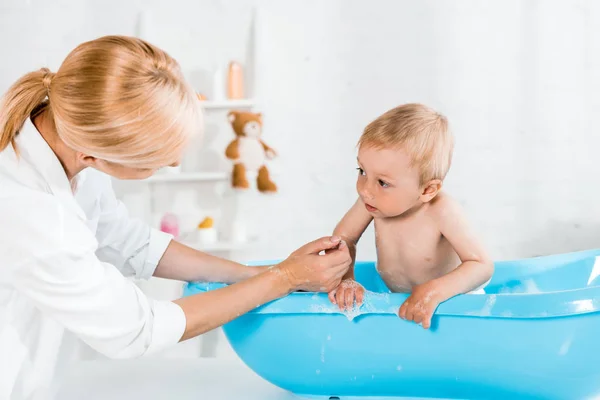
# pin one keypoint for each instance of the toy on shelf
(248, 152)
(206, 231)
(235, 81)
(170, 224)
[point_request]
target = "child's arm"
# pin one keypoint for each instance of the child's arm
(350, 229)
(475, 269)
(476, 266)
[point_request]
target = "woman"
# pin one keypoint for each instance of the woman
(118, 107)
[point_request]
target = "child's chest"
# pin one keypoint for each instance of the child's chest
(412, 251)
(414, 236)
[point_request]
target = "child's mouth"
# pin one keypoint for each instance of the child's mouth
(370, 208)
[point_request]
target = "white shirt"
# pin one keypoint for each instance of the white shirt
(64, 260)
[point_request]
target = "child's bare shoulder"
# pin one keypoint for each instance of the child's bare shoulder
(445, 208)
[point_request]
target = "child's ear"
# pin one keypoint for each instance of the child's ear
(430, 190)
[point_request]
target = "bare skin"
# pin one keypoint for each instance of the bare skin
(179, 261)
(305, 269)
(424, 244)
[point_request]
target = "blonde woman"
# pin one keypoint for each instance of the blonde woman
(119, 107)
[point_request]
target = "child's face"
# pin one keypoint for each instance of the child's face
(387, 183)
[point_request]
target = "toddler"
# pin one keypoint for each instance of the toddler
(424, 244)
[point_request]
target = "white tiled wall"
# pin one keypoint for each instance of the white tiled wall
(520, 82)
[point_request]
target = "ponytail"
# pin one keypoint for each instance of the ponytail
(133, 108)
(18, 103)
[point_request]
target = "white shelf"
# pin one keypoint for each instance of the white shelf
(189, 177)
(227, 104)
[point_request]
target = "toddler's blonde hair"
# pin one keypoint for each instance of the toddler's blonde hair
(420, 131)
(116, 98)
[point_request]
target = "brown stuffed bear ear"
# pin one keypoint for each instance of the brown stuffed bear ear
(232, 116)
(259, 115)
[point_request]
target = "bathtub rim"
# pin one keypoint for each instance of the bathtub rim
(553, 304)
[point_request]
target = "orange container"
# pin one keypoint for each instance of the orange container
(235, 81)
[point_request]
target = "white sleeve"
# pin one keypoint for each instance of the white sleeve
(97, 303)
(51, 260)
(129, 244)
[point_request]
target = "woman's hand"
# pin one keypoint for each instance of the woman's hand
(187, 264)
(306, 270)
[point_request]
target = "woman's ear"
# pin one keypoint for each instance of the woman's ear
(88, 161)
(430, 190)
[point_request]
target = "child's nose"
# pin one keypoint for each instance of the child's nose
(365, 194)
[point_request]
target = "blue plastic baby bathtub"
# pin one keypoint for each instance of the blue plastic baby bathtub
(535, 334)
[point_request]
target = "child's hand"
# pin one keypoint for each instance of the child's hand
(346, 293)
(421, 304)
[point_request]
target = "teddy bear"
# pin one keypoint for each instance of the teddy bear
(248, 152)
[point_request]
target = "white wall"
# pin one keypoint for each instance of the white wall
(520, 82)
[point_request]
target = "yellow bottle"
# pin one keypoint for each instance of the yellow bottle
(206, 231)
(206, 223)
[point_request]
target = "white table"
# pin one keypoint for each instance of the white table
(168, 379)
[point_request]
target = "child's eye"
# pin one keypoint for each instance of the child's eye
(383, 184)
(360, 171)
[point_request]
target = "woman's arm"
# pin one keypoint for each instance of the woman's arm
(207, 311)
(135, 248)
(187, 264)
(63, 278)
(305, 270)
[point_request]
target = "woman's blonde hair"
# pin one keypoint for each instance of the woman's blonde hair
(116, 98)
(419, 130)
